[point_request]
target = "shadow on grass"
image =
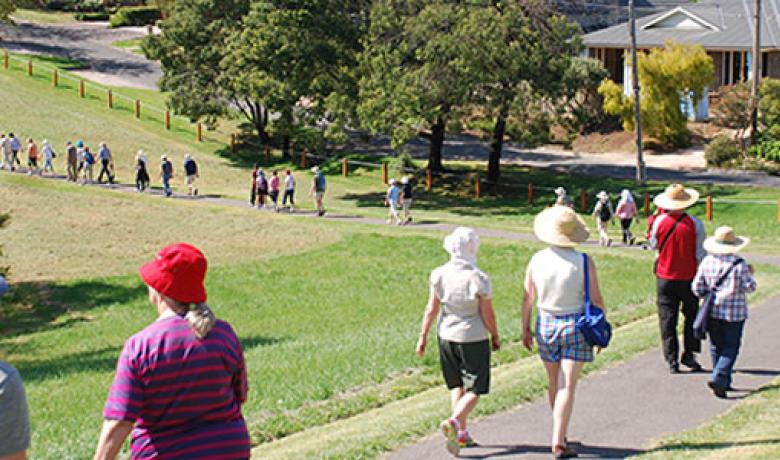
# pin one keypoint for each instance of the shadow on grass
(100, 360)
(38, 306)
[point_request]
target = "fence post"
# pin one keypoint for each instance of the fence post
(429, 180)
(110, 99)
(304, 159)
(167, 120)
(82, 90)
(345, 167)
(477, 187)
(54, 78)
(384, 173)
(530, 194)
(267, 154)
(584, 200)
(5, 60)
(138, 108)
(709, 208)
(647, 204)
(199, 132)
(29, 68)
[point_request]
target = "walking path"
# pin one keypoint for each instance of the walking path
(620, 412)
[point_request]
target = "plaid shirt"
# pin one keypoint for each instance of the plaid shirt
(730, 298)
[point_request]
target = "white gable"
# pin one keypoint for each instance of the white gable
(679, 19)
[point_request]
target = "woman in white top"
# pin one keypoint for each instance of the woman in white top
(555, 276)
(463, 293)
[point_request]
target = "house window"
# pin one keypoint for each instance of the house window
(764, 64)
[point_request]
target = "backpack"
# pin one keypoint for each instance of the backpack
(321, 182)
(262, 183)
(89, 158)
(604, 213)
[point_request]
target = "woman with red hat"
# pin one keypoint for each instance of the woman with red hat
(180, 382)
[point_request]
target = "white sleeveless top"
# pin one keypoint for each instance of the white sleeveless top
(559, 280)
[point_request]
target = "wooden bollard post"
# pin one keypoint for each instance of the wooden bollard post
(5, 60)
(55, 79)
(267, 154)
(530, 193)
(304, 159)
(137, 108)
(82, 90)
(168, 120)
(345, 167)
(29, 68)
(429, 180)
(709, 208)
(110, 99)
(477, 187)
(384, 173)
(199, 132)
(647, 204)
(584, 200)
(232, 143)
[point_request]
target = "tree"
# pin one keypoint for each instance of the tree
(6, 8)
(733, 110)
(411, 75)
(769, 109)
(514, 51)
(666, 75)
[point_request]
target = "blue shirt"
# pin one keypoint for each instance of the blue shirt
(394, 194)
(104, 153)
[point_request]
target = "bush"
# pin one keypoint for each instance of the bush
(401, 163)
(767, 150)
(721, 150)
(92, 16)
(770, 109)
(135, 16)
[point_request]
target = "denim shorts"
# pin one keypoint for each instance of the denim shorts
(558, 338)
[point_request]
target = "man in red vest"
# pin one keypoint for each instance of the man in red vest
(678, 238)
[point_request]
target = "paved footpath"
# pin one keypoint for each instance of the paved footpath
(619, 412)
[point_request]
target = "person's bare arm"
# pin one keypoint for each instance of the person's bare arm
(595, 290)
(529, 295)
(431, 311)
(112, 436)
(489, 318)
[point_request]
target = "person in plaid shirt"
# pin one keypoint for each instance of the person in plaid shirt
(730, 309)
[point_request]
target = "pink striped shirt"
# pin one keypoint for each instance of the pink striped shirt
(184, 395)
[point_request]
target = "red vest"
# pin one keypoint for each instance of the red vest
(677, 259)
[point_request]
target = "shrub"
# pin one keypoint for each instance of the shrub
(401, 163)
(767, 150)
(733, 109)
(135, 16)
(721, 150)
(92, 17)
(770, 108)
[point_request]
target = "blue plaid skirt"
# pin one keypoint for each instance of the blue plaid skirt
(558, 338)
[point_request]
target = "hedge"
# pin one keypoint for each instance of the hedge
(135, 16)
(92, 16)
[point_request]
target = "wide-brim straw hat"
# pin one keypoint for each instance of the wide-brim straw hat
(725, 241)
(560, 226)
(676, 197)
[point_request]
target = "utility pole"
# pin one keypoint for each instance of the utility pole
(641, 173)
(756, 70)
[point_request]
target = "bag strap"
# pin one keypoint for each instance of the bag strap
(722, 278)
(668, 235)
(587, 284)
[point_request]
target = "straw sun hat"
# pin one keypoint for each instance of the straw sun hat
(560, 226)
(676, 197)
(725, 241)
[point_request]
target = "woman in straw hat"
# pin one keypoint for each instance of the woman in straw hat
(181, 381)
(555, 276)
(467, 328)
(603, 214)
(730, 278)
(678, 238)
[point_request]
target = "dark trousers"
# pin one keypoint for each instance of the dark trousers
(725, 340)
(289, 194)
(671, 296)
(104, 169)
(253, 196)
(625, 224)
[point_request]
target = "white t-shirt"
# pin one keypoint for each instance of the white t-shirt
(5, 146)
(559, 280)
(289, 182)
(460, 285)
(48, 153)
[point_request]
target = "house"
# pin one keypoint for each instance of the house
(723, 27)
(598, 14)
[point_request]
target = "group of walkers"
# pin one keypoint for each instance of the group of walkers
(264, 188)
(398, 197)
(604, 214)
(142, 179)
(561, 281)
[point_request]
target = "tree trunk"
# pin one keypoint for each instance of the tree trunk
(494, 161)
(437, 142)
(286, 147)
(260, 125)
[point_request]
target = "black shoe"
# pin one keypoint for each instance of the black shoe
(716, 390)
(674, 368)
(690, 362)
(564, 452)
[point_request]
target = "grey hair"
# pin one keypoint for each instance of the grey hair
(200, 316)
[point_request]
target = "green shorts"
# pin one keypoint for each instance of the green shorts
(466, 365)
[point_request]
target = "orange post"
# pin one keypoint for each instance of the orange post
(5, 60)
(167, 120)
(267, 154)
(345, 167)
(232, 142)
(709, 208)
(384, 173)
(304, 159)
(29, 68)
(584, 200)
(429, 180)
(137, 108)
(82, 90)
(199, 132)
(530, 193)
(54, 78)
(477, 187)
(110, 99)
(647, 204)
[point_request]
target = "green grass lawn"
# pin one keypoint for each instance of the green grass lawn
(44, 16)
(750, 430)
(132, 45)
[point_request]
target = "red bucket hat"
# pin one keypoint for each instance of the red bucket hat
(177, 272)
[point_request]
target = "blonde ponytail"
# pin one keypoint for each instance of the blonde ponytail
(201, 319)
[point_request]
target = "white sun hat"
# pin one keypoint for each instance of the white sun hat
(725, 241)
(676, 197)
(462, 243)
(560, 226)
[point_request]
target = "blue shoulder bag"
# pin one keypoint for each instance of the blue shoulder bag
(593, 324)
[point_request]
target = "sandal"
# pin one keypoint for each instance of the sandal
(564, 452)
